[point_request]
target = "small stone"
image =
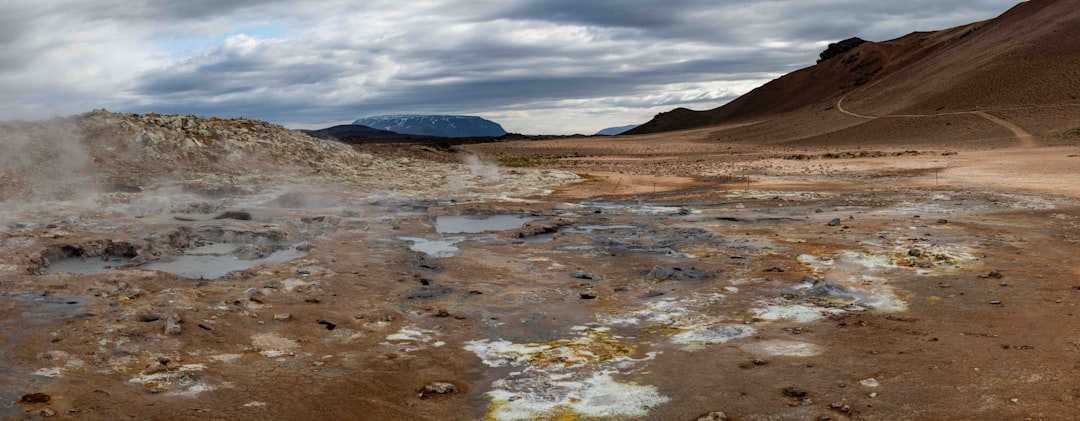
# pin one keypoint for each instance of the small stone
(155, 367)
(442, 313)
(713, 416)
(172, 325)
(587, 296)
(995, 302)
(943, 221)
(759, 361)
(834, 222)
(996, 274)
(914, 253)
(438, 388)
(35, 398)
(872, 395)
(870, 382)
(282, 317)
(794, 392)
(585, 275)
(1014, 400)
(47, 412)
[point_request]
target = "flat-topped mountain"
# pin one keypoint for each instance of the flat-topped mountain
(435, 125)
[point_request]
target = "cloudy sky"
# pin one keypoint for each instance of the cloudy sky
(536, 66)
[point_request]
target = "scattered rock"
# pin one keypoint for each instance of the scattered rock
(172, 325)
(943, 221)
(35, 398)
(282, 317)
(834, 222)
(47, 413)
(156, 366)
(329, 325)
(839, 48)
(914, 253)
(995, 302)
(713, 416)
(237, 215)
(585, 275)
(996, 274)
(676, 273)
(774, 269)
(794, 392)
(437, 388)
(147, 318)
(870, 382)
(825, 289)
(442, 313)
(587, 296)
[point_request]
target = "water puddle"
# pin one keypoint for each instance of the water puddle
(471, 224)
(591, 228)
(215, 261)
(209, 261)
(87, 265)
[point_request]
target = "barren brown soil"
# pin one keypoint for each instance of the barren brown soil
(683, 274)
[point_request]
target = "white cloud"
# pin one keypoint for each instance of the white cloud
(555, 66)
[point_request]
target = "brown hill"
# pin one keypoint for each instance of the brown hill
(992, 72)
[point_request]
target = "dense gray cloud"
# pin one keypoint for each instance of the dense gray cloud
(537, 66)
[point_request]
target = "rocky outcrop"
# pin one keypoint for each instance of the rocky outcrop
(435, 125)
(838, 48)
(113, 157)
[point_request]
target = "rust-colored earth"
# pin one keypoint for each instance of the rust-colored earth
(678, 277)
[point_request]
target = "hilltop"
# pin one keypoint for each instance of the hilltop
(959, 83)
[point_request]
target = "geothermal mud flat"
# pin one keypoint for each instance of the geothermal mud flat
(818, 302)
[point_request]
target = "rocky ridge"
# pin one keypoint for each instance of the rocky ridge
(116, 153)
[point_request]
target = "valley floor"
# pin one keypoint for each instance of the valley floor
(672, 280)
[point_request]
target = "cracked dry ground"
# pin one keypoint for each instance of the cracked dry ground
(891, 303)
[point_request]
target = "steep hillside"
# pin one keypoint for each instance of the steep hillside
(435, 125)
(1027, 57)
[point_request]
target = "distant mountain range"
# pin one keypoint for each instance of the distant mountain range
(612, 131)
(434, 125)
